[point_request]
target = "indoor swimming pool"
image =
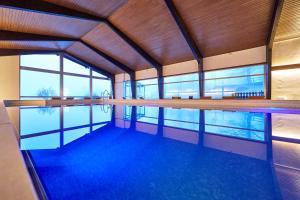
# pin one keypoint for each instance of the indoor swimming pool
(127, 152)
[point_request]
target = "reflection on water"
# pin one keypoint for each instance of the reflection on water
(272, 140)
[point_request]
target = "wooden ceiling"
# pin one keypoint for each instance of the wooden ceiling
(217, 27)
(84, 53)
(102, 8)
(114, 46)
(150, 24)
(224, 26)
(33, 22)
(289, 22)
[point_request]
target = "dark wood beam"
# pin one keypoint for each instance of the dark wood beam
(20, 36)
(85, 63)
(47, 8)
(109, 58)
(15, 52)
(274, 22)
(269, 42)
(190, 41)
(136, 47)
(184, 30)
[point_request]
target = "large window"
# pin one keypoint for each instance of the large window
(226, 82)
(36, 84)
(41, 76)
(183, 86)
(147, 89)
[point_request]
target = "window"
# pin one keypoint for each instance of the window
(226, 82)
(102, 88)
(49, 62)
(39, 84)
(127, 90)
(41, 75)
(147, 89)
(72, 67)
(76, 86)
(183, 86)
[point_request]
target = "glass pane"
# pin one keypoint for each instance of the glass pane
(183, 90)
(39, 84)
(101, 88)
(226, 87)
(50, 62)
(36, 120)
(127, 89)
(72, 67)
(76, 116)
(147, 89)
(96, 74)
(186, 77)
(76, 86)
(243, 71)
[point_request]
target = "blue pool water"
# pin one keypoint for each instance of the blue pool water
(123, 152)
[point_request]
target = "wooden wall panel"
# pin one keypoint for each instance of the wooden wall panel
(104, 39)
(102, 8)
(289, 22)
(150, 25)
(34, 45)
(285, 84)
(22, 21)
(286, 52)
(224, 26)
(90, 56)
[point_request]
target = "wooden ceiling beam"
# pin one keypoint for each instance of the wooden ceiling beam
(109, 58)
(47, 8)
(21, 36)
(274, 22)
(133, 45)
(184, 30)
(85, 63)
(52, 9)
(15, 52)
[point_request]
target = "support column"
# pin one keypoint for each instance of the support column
(133, 85)
(61, 76)
(268, 136)
(268, 74)
(160, 83)
(201, 78)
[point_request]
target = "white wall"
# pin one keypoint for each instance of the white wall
(237, 58)
(9, 77)
(9, 84)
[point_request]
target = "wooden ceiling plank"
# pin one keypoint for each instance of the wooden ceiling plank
(184, 30)
(14, 52)
(274, 23)
(135, 46)
(47, 8)
(110, 59)
(20, 36)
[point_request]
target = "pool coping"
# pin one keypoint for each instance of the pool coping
(15, 181)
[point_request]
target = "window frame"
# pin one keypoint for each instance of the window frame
(236, 67)
(61, 73)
